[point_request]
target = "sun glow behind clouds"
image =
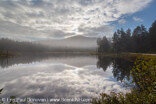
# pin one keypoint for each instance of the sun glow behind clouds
(64, 18)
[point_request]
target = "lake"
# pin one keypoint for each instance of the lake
(62, 76)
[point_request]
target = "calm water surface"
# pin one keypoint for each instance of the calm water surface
(61, 76)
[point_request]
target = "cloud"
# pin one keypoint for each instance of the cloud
(122, 21)
(137, 19)
(48, 17)
(104, 30)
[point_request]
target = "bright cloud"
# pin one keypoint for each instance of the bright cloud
(63, 18)
(137, 19)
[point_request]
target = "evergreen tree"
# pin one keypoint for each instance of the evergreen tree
(104, 45)
(152, 37)
(128, 41)
(115, 43)
(140, 41)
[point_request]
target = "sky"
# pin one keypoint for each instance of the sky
(59, 19)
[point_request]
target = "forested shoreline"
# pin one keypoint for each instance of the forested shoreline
(140, 40)
(13, 47)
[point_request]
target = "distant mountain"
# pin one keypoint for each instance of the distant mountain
(76, 43)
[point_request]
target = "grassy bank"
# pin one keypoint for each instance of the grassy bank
(144, 78)
(127, 56)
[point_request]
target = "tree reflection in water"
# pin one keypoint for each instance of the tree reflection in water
(104, 62)
(120, 67)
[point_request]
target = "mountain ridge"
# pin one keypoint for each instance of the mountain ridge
(75, 42)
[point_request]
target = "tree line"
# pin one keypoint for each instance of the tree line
(21, 47)
(25, 47)
(140, 40)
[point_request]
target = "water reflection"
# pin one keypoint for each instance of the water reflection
(57, 76)
(120, 67)
(78, 59)
(104, 62)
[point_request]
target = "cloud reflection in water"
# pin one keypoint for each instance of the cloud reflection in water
(46, 79)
